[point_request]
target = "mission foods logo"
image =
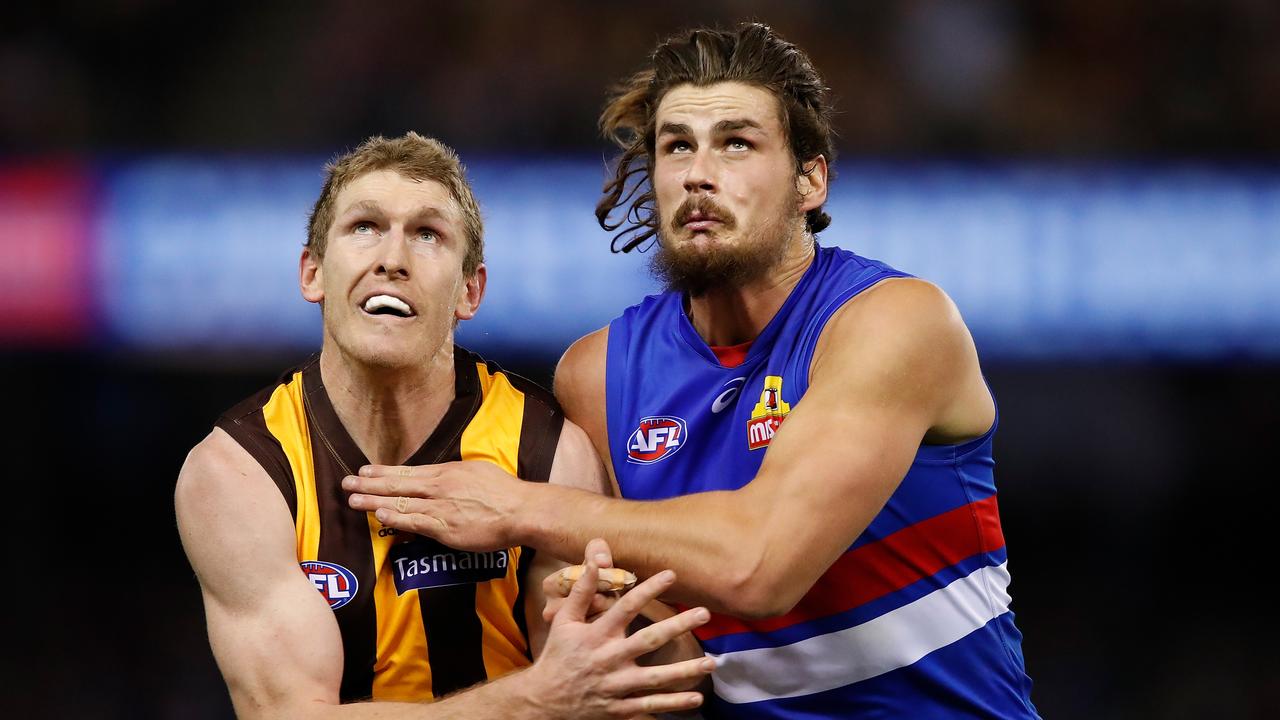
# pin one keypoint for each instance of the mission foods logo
(656, 438)
(336, 583)
(425, 563)
(767, 415)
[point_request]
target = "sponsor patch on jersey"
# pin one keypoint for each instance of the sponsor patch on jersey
(425, 563)
(726, 397)
(656, 437)
(337, 584)
(767, 415)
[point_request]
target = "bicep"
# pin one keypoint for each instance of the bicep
(576, 463)
(828, 471)
(580, 388)
(887, 369)
(274, 637)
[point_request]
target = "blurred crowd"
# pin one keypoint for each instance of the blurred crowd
(1053, 78)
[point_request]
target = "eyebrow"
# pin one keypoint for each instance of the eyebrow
(727, 126)
(371, 206)
(674, 129)
(724, 126)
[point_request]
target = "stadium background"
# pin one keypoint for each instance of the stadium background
(1096, 183)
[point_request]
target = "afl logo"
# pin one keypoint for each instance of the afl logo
(656, 438)
(336, 583)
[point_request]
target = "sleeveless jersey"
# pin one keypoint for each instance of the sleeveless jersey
(418, 619)
(913, 619)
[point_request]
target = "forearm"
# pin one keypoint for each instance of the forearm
(712, 540)
(506, 697)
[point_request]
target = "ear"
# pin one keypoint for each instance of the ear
(812, 184)
(471, 295)
(310, 275)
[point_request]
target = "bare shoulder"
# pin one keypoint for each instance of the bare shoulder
(904, 340)
(899, 306)
(580, 372)
(212, 460)
(580, 387)
(218, 472)
(896, 320)
(226, 504)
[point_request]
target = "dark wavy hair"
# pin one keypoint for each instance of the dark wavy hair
(751, 54)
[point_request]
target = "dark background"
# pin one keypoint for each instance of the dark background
(1137, 495)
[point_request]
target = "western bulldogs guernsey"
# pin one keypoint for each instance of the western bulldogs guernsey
(913, 620)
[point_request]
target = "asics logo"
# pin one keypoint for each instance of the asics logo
(726, 398)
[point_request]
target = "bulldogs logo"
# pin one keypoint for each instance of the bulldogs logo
(657, 437)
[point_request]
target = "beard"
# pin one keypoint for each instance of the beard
(696, 269)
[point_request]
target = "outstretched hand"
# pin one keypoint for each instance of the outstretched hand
(468, 505)
(588, 668)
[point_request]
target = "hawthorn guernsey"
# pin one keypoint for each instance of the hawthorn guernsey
(913, 619)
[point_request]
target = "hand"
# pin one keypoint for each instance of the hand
(588, 669)
(597, 553)
(468, 505)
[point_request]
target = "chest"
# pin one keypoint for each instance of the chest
(694, 426)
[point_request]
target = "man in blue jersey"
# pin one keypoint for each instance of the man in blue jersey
(809, 429)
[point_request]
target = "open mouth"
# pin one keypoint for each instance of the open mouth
(388, 305)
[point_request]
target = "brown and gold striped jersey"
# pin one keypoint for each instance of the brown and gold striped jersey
(418, 619)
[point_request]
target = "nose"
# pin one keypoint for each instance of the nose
(700, 176)
(393, 252)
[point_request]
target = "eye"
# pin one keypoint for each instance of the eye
(679, 146)
(364, 227)
(738, 145)
(428, 235)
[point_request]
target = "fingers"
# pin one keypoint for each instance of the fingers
(667, 702)
(551, 586)
(422, 518)
(412, 485)
(650, 638)
(403, 504)
(599, 603)
(574, 608)
(660, 677)
(626, 609)
(394, 471)
(609, 579)
(599, 552)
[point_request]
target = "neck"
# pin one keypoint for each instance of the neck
(389, 412)
(734, 315)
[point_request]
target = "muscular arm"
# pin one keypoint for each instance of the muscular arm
(274, 637)
(894, 367)
(575, 466)
(280, 651)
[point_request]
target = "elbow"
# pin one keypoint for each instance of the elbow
(762, 602)
(754, 591)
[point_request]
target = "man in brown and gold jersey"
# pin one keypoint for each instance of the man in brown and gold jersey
(314, 607)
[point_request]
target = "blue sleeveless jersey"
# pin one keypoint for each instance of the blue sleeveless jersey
(913, 620)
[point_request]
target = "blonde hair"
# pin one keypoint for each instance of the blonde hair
(416, 158)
